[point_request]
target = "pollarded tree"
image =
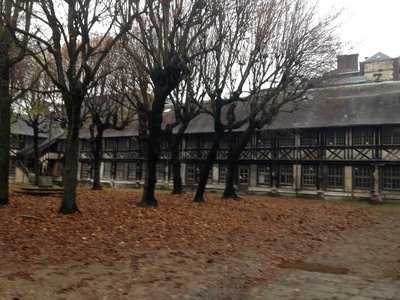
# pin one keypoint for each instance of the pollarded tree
(71, 57)
(105, 110)
(227, 79)
(300, 48)
(268, 52)
(13, 14)
(165, 39)
(187, 102)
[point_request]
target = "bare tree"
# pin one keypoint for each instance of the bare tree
(71, 58)
(105, 110)
(227, 70)
(13, 14)
(299, 49)
(267, 54)
(187, 102)
(165, 40)
(34, 105)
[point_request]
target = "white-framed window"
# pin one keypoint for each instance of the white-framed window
(222, 173)
(362, 177)
(335, 176)
(285, 174)
(309, 177)
(264, 174)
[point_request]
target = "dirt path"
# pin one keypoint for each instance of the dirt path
(371, 256)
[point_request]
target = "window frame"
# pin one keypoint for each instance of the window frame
(335, 137)
(287, 174)
(362, 180)
(362, 136)
(335, 179)
(309, 175)
(264, 171)
(391, 181)
(309, 138)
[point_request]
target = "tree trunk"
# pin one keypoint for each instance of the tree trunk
(96, 173)
(230, 192)
(153, 149)
(175, 141)
(205, 170)
(5, 120)
(164, 80)
(176, 169)
(71, 156)
(36, 162)
(97, 151)
(234, 152)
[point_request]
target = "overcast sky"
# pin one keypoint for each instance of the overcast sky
(369, 26)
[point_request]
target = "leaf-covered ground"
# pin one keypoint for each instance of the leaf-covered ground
(241, 241)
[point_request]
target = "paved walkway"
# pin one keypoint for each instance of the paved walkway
(372, 257)
(296, 284)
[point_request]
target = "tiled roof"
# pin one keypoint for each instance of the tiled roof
(377, 57)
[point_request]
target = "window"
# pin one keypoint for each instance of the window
(224, 143)
(335, 137)
(109, 144)
(243, 175)
(264, 139)
(286, 140)
(86, 170)
(191, 142)
(134, 144)
(309, 138)
(123, 144)
(391, 135)
(107, 173)
(362, 136)
(191, 172)
(362, 177)
(134, 171)
(285, 174)
(161, 171)
(391, 177)
(335, 177)
(309, 175)
(222, 173)
(120, 171)
(206, 141)
(264, 174)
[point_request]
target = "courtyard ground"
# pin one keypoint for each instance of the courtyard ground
(183, 250)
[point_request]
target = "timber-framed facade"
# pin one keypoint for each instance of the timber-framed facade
(344, 141)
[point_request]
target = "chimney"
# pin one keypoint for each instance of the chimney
(347, 62)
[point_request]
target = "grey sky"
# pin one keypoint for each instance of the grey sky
(369, 26)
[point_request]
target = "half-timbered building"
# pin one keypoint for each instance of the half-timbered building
(343, 141)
